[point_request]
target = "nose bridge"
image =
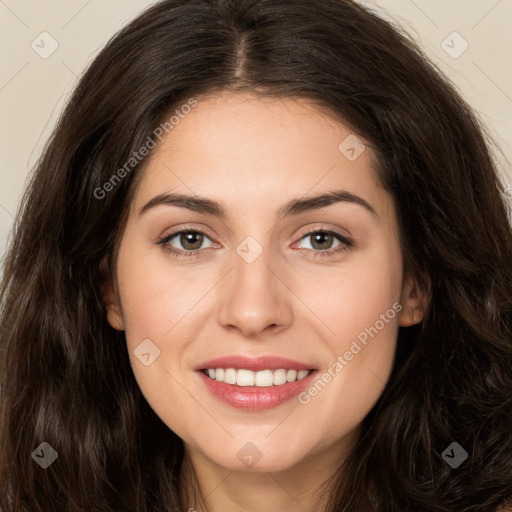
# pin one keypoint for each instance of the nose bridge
(253, 298)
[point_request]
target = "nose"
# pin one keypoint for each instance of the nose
(254, 297)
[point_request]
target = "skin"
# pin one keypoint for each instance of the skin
(253, 155)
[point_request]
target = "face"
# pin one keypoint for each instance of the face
(304, 296)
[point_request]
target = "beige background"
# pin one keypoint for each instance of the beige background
(34, 86)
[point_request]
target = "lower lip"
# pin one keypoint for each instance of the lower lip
(256, 398)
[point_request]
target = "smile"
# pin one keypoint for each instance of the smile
(255, 383)
(263, 378)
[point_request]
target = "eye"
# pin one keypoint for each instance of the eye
(191, 241)
(322, 240)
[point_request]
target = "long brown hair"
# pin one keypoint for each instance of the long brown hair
(65, 373)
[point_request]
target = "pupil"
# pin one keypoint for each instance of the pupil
(187, 239)
(325, 236)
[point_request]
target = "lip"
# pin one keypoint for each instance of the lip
(255, 398)
(255, 364)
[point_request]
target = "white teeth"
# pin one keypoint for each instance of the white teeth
(291, 375)
(245, 378)
(279, 377)
(263, 378)
(229, 376)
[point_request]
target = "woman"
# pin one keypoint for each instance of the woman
(175, 333)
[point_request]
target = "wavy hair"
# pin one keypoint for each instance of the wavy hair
(65, 373)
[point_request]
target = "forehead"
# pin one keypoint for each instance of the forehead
(239, 147)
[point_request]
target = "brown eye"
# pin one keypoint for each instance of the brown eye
(186, 242)
(191, 240)
(325, 243)
(321, 240)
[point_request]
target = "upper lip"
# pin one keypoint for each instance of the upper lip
(254, 363)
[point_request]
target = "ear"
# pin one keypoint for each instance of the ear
(110, 298)
(414, 300)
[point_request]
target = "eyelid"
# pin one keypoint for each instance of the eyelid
(184, 228)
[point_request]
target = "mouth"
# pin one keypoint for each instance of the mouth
(255, 383)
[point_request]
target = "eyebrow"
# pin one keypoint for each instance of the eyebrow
(293, 207)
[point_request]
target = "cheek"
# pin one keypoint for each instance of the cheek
(360, 306)
(154, 299)
(153, 303)
(352, 297)
(156, 308)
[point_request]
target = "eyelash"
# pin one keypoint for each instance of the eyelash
(346, 243)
